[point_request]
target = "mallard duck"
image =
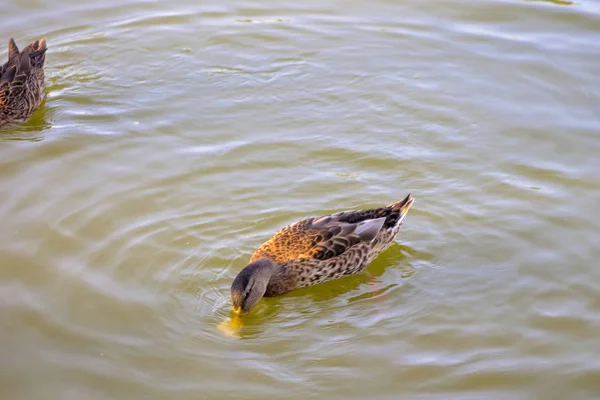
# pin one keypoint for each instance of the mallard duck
(316, 250)
(22, 82)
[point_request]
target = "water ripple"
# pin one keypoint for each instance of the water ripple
(177, 137)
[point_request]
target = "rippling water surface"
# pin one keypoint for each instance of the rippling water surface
(177, 136)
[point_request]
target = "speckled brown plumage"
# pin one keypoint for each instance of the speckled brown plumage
(320, 249)
(22, 82)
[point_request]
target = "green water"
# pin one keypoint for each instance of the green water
(178, 136)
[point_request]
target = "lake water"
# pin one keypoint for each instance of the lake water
(178, 136)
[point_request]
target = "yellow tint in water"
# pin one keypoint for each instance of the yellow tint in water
(232, 326)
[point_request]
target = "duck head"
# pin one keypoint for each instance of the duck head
(250, 285)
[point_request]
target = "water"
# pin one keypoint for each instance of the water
(178, 136)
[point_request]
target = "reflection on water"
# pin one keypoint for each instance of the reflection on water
(232, 326)
(177, 137)
(32, 130)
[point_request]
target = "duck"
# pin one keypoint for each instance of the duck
(22, 82)
(317, 250)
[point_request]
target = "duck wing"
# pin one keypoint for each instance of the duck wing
(319, 238)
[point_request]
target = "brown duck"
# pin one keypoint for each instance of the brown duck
(316, 250)
(22, 82)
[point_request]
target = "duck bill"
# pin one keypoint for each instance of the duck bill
(237, 311)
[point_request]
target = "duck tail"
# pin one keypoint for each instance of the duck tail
(37, 52)
(403, 205)
(13, 50)
(393, 213)
(33, 54)
(397, 211)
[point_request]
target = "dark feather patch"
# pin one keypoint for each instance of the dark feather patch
(9, 75)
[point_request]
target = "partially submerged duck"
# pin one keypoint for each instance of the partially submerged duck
(22, 82)
(317, 250)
